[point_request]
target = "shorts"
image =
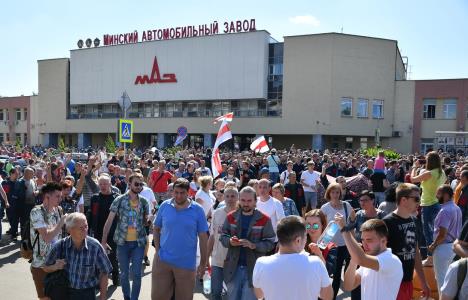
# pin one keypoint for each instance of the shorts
(406, 291)
(38, 275)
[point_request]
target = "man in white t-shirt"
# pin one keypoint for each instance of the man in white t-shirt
(268, 205)
(380, 271)
(309, 180)
(291, 273)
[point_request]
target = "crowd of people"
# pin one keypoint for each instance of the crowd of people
(257, 230)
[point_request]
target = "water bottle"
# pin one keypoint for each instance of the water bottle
(206, 283)
(328, 235)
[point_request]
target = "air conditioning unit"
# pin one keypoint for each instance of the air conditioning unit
(396, 134)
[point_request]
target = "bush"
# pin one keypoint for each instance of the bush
(110, 144)
(389, 154)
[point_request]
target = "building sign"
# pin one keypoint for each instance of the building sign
(178, 32)
(156, 76)
(125, 131)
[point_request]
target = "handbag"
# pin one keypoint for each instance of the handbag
(56, 283)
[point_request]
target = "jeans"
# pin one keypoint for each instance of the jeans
(274, 177)
(310, 200)
(130, 252)
(216, 283)
(443, 256)
(428, 216)
(341, 256)
(239, 287)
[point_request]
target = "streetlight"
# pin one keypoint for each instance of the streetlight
(124, 103)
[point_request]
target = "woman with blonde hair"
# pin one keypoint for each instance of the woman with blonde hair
(430, 178)
(335, 205)
(204, 196)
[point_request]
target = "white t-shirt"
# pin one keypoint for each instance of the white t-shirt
(450, 287)
(148, 194)
(296, 276)
(272, 208)
(208, 200)
(285, 176)
(310, 178)
(219, 251)
(330, 212)
(384, 283)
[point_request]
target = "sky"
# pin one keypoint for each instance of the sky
(432, 34)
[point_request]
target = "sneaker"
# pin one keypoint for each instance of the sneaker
(146, 261)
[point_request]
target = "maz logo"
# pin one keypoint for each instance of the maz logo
(155, 76)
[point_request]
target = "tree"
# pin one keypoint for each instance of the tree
(110, 144)
(18, 145)
(61, 145)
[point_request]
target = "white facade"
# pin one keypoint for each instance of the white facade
(230, 66)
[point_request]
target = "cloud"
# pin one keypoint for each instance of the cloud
(305, 20)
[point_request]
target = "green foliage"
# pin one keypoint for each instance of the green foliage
(18, 145)
(173, 150)
(389, 154)
(110, 144)
(61, 145)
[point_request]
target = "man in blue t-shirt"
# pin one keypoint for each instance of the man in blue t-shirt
(177, 226)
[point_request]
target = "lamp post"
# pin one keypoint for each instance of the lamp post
(124, 103)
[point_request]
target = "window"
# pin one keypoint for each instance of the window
(2, 116)
(346, 107)
(18, 114)
(450, 108)
(363, 108)
(148, 110)
(363, 143)
(25, 114)
(429, 108)
(25, 141)
(2, 139)
(377, 109)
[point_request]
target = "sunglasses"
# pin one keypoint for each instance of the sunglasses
(314, 226)
(137, 184)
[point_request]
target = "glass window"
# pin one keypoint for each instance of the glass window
(18, 114)
(346, 107)
(2, 139)
(155, 110)
(377, 109)
(25, 114)
(450, 108)
(2, 116)
(25, 141)
(363, 108)
(148, 110)
(429, 109)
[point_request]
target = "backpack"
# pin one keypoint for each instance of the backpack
(27, 246)
(461, 275)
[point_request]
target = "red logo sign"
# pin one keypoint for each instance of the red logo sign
(155, 76)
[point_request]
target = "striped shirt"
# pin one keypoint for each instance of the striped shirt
(84, 265)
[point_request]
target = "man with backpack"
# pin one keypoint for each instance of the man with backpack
(45, 227)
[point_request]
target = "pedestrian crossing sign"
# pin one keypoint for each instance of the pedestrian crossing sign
(125, 131)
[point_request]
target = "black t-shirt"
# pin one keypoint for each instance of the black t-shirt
(100, 208)
(377, 180)
(246, 176)
(402, 239)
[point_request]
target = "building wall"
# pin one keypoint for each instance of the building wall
(321, 69)
(35, 121)
(403, 116)
(13, 125)
(438, 89)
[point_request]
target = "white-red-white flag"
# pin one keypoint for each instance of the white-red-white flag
(260, 145)
(224, 134)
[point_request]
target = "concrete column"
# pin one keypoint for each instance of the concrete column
(208, 140)
(317, 142)
(84, 140)
(162, 140)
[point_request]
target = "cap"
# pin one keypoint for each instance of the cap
(264, 171)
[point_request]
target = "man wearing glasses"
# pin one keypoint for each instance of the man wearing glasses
(403, 240)
(130, 235)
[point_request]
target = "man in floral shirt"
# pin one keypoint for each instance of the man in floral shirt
(130, 234)
(46, 228)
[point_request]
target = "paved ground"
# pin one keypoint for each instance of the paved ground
(16, 281)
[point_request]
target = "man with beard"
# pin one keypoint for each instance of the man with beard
(380, 271)
(447, 227)
(130, 234)
(178, 224)
(248, 234)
